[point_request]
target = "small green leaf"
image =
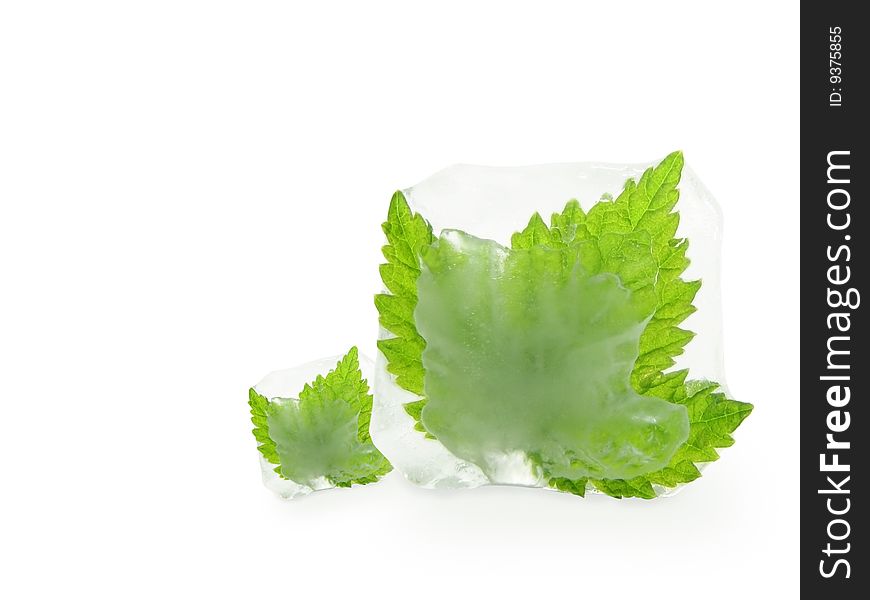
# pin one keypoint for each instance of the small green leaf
(325, 434)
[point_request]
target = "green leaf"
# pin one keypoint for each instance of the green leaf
(325, 433)
(319, 440)
(635, 236)
(527, 351)
(344, 383)
(632, 237)
(407, 234)
(712, 419)
(259, 417)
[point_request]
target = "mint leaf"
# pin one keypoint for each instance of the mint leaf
(344, 383)
(712, 419)
(635, 238)
(319, 440)
(323, 434)
(527, 351)
(407, 234)
(259, 417)
(632, 237)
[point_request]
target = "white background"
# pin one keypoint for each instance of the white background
(191, 197)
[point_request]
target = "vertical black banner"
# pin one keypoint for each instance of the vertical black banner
(834, 370)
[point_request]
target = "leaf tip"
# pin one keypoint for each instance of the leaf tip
(675, 159)
(398, 205)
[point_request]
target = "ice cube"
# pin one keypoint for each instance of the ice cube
(497, 403)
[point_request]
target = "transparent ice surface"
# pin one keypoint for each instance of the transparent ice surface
(492, 203)
(283, 387)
